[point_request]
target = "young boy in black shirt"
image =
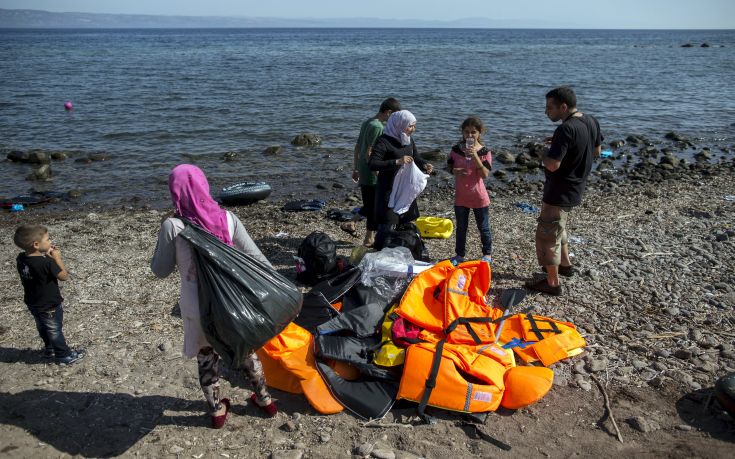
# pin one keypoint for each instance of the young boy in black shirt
(40, 266)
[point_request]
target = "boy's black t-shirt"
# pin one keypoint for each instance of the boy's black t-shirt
(573, 144)
(38, 275)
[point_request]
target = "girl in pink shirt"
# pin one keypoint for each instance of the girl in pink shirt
(470, 162)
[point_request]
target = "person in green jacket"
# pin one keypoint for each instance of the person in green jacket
(370, 130)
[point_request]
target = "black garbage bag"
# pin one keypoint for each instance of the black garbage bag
(243, 303)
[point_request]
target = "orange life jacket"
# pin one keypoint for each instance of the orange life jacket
(542, 338)
(446, 296)
(292, 350)
(467, 378)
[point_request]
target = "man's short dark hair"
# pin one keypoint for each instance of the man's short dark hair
(391, 104)
(563, 95)
(26, 235)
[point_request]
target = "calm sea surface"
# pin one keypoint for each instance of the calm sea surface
(151, 99)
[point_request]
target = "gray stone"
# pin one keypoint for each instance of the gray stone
(290, 426)
(176, 449)
(383, 454)
(432, 155)
(582, 383)
(400, 454)
(97, 157)
(578, 368)
(59, 155)
(643, 425)
(597, 365)
(41, 173)
(165, 346)
(617, 143)
(659, 366)
(324, 437)
(683, 354)
(684, 427)
(658, 381)
(504, 157)
(273, 150)
(639, 364)
(303, 140)
(364, 449)
(287, 454)
(296, 416)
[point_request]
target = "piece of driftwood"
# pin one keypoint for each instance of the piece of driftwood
(607, 406)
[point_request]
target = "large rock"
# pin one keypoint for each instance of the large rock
(504, 157)
(432, 155)
(537, 150)
(273, 150)
(42, 173)
(306, 140)
(523, 158)
(675, 136)
(32, 157)
(617, 143)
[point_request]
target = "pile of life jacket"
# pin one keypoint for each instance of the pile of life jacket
(434, 345)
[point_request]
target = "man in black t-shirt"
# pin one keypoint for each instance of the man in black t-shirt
(574, 147)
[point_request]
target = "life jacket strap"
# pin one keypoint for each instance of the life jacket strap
(533, 323)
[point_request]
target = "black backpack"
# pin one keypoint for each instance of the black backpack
(319, 253)
(406, 235)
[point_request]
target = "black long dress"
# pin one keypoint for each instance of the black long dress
(383, 159)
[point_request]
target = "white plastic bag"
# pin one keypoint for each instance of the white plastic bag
(389, 270)
(407, 186)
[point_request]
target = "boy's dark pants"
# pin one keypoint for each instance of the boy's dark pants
(49, 323)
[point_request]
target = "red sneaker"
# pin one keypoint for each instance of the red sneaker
(219, 421)
(269, 410)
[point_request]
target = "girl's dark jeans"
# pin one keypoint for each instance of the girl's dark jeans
(482, 218)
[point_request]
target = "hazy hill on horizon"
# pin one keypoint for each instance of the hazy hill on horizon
(38, 19)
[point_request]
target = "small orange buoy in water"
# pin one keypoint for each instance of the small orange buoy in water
(68, 106)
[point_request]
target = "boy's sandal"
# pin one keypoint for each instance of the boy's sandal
(219, 421)
(566, 271)
(543, 287)
(269, 410)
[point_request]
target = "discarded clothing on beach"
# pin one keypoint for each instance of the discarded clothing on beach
(302, 204)
(526, 207)
(340, 215)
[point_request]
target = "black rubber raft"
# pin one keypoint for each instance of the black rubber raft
(244, 193)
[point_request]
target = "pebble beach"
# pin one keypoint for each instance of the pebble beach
(654, 298)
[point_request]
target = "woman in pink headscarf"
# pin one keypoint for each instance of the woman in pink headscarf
(192, 201)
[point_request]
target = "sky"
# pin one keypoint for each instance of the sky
(674, 14)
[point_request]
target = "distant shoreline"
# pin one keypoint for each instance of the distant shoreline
(40, 19)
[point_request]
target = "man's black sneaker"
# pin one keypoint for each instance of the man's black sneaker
(48, 353)
(71, 358)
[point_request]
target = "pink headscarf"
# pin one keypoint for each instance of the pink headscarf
(190, 195)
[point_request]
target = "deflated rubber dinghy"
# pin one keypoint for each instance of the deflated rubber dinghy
(244, 193)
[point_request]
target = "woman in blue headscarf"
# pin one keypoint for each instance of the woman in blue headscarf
(392, 150)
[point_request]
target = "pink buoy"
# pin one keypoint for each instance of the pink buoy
(68, 105)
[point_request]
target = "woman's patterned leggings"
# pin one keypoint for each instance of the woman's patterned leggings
(208, 363)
